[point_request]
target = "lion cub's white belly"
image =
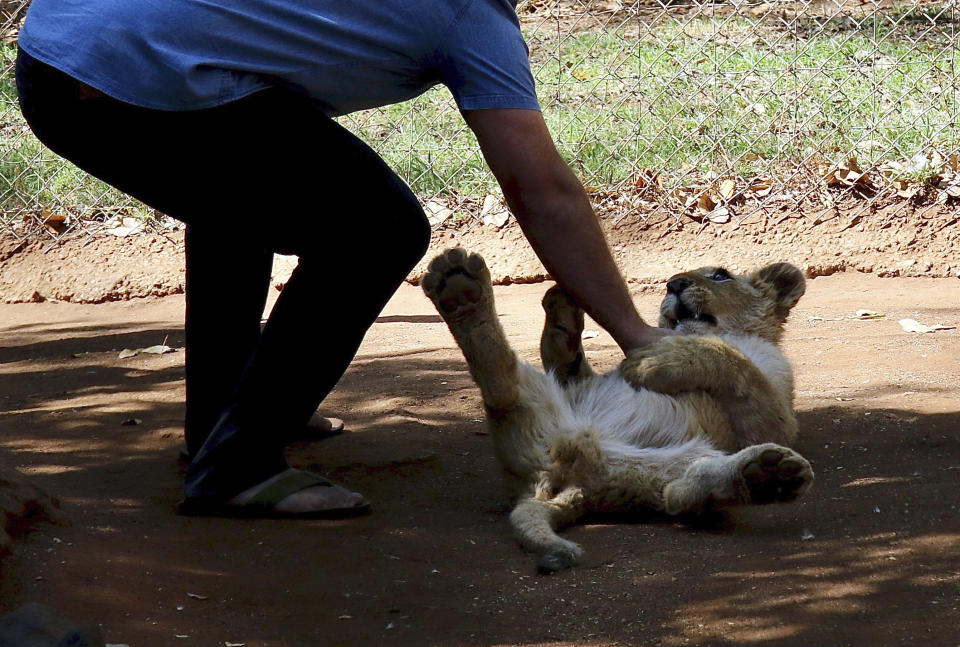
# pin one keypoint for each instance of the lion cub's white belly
(628, 421)
(767, 357)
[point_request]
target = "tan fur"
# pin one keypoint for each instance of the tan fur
(696, 420)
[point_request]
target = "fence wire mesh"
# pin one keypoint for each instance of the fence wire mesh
(687, 109)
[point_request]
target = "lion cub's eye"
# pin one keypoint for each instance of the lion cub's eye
(720, 274)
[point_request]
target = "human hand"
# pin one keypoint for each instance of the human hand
(646, 336)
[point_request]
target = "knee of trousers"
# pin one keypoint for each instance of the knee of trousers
(416, 232)
(399, 232)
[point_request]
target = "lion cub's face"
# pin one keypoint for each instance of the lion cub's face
(710, 300)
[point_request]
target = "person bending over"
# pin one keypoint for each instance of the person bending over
(220, 113)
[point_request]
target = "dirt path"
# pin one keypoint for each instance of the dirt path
(870, 557)
(898, 240)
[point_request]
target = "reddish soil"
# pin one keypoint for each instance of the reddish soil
(898, 239)
(870, 557)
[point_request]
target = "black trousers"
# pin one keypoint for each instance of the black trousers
(263, 174)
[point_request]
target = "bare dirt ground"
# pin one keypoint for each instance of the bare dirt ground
(895, 239)
(870, 557)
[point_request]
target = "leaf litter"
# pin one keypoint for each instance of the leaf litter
(158, 349)
(912, 325)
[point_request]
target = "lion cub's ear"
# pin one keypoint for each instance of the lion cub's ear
(785, 281)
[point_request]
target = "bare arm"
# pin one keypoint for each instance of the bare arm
(555, 214)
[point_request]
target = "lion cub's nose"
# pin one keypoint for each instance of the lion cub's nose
(677, 284)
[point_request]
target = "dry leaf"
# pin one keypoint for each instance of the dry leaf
(906, 189)
(720, 216)
(498, 219)
(437, 213)
(159, 349)
(890, 168)
(55, 222)
(868, 314)
(490, 202)
(127, 352)
(707, 202)
(851, 165)
(848, 174)
(912, 325)
(493, 212)
(123, 227)
(727, 188)
(844, 177)
(647, 179)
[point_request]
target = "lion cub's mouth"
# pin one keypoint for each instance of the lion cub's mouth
(682, 313)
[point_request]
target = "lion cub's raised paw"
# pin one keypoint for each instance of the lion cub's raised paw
(665, 367)
(459, 285)
(561, 346)
(773, 474)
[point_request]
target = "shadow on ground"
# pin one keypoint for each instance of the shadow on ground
(870, 557)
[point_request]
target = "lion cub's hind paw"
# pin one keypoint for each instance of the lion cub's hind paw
(775, 474)
(559, 559)
(458, 284)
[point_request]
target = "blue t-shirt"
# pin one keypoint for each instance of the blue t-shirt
(346, 54)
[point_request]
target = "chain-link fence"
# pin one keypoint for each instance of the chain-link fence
(693, 109)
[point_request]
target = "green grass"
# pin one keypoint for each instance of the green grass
(33, 178)
(723, 102)
(707, 102)
(727, 95)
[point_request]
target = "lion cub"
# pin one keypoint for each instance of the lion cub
(695, 420)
